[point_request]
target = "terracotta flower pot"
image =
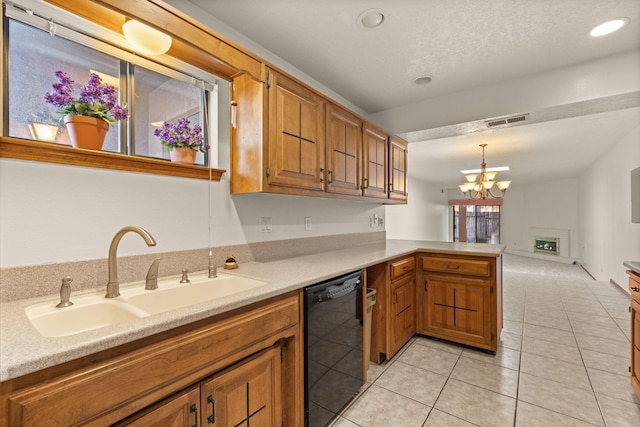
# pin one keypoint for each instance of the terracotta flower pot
(183, 155)
(86, 132)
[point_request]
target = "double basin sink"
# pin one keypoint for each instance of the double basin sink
(93, 311)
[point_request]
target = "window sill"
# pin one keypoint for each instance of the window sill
(25, 149)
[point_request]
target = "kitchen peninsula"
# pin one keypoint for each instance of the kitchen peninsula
(51, 365)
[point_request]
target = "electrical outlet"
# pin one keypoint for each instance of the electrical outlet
(307, 223)
(380, 222)
(266, 224)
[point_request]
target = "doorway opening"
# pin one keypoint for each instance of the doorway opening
(476, 223)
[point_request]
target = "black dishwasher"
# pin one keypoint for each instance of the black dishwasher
(333, 368)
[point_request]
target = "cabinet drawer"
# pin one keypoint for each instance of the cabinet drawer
(457, 266)
(398, 268)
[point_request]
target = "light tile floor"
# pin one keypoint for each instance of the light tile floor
(563, 361)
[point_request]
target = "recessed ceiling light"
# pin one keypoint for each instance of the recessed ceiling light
(372, 18)
(422, 80)
(608, 27)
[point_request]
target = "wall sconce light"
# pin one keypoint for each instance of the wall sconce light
(43, 132)
(146, 39)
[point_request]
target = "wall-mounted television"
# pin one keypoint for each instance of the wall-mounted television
(635, 195)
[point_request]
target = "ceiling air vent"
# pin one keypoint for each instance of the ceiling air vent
(504, 121)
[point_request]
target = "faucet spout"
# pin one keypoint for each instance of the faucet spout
(113, 287)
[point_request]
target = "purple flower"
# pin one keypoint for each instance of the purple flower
(96, 99)
(63, 94)
(178, 134)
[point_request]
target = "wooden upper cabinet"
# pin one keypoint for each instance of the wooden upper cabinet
(343, 151)
(296, 136)
(397, 168)
(375, 162)
(288, 139)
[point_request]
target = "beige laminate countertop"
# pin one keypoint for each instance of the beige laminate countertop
(23, 350)
(633, 266)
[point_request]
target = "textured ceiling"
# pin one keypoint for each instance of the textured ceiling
(462, 45)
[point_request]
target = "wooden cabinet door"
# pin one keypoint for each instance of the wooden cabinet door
(403, 312)
(344, 145)
(634, 289)
(180, 410)
(248, 394)
(375, 162)
(397, 168)
(457, 308)
(296, 135)
(635, 344)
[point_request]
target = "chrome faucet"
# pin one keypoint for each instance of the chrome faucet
(113, 287)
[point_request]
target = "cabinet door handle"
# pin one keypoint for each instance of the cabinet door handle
(194, 410)
(321, 174)
(330, 177)
(425, 286)
(211, 419)
(395, 297)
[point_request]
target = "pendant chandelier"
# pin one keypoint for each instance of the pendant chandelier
(481, 188)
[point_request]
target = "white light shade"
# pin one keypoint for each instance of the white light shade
(463, 187)
(608, 27)
(43, 132)
(503, 185)
(470, 185)
(471, 178)
(146, 39)
(488, 184)
(489, 176)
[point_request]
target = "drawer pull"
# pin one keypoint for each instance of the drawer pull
(635, 289)
(194, 410)
(212, 418)
(406, 267)
(453, 267)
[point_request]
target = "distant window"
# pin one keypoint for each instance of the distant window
(476, 223)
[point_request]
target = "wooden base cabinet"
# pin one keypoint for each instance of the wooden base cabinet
(222, 371)
(634, 288)
(460, 299)
(248, 393)
(394, 314)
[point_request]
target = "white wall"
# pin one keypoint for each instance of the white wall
(608, 235)
(542, 205)
(52, 213)
(424, 217)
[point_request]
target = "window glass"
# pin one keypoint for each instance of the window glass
(153, 93)
(34, 57)
(158, 98)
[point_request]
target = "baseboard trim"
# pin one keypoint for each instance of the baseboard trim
(620, 288)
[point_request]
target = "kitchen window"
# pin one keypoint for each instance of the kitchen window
(36, 46)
